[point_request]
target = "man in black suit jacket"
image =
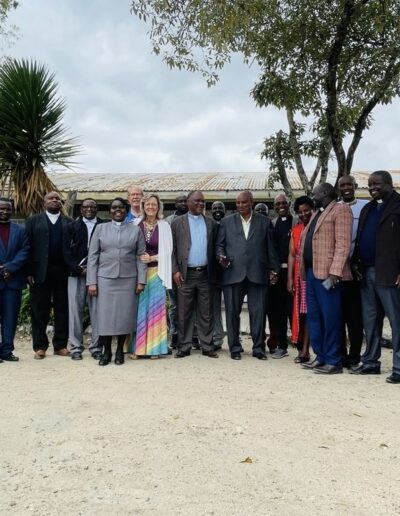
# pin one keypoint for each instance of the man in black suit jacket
(245, 250)
(376, 260)
(194, 273)
(47, 276)
(77, 237)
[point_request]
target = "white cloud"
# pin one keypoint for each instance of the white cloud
(134, 114)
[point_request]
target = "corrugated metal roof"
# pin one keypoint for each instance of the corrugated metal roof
(184, 182)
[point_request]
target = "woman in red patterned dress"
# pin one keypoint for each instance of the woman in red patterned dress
(303, 208)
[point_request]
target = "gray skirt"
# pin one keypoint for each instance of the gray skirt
(116, 306)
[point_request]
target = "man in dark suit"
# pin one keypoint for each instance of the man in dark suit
(48, 276)
(246, 252)
(77, 237)
(377, 261)
(194, 273)
(14, 248)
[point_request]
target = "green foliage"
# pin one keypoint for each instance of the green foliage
(32, 133)
(24, 317)
(330, 60)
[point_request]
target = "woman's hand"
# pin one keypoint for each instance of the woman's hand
(92, 290)
(147, 258)
(290, 286)
(139, 288)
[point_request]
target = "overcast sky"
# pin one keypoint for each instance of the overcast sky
(133, 114)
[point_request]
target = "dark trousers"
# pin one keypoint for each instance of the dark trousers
(10, 301)
(378, 301)
(324, 319)
(256, 300)
(195, 303)
(53, 292)
(352, 319)
(280, 309)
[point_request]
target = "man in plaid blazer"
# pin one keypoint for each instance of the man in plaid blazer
(325, 249)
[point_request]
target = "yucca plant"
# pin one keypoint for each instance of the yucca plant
(32, 133)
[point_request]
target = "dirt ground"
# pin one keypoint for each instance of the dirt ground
(171, 437)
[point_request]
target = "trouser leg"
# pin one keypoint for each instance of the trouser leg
(256, 298)
(76, 304)
(390, 299)
(59, 285)
(314, 316)
(284, 307)
(9, 307)
(218, 327)
(352, 318)
(233, 296)
(204, 311)
(372, 311)
(185, 309)
(40, 304)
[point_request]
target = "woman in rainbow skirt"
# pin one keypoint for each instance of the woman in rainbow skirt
(151, 339)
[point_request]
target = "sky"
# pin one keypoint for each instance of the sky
(133, 114)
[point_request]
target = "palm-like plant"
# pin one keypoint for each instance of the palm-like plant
(32, 134)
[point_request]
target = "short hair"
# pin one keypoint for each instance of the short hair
(180, 195)
(89, 199)
(159, 214)
(192, 192)
(304, 199)
(123, 201)
(248, 193)
(329, 190)
(281, 195)
(134, 186)
(386, 176)
(351, 177)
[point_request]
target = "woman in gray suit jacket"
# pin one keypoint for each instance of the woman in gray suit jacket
(116, 276)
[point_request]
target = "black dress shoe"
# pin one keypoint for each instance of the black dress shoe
(119, 358)
(182, 354)
(260, 356)
(211, 354)
(393, 378)
(76, 356)
(236, 356)
(195, 343)
(328, 369)
(105, 359)
(96, 355)
(312, 365)
(217, 347)
(9, 358)
(361, 369)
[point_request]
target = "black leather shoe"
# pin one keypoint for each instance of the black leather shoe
(104, 360)
(312, 365)
(119, 359)
(195, 343)
(1, 361)
(76, 356)
(328, 369)
(211, 354)
(260, 356)
(393, 378)
(182, 354)
(96, 355)
(10, 358)
(236, 356)
(361, 369)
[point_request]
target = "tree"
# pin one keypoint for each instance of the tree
(32, 134)
(329, 61)
(7, 33)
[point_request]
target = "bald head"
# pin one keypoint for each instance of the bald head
(52, 202)
(244, 204)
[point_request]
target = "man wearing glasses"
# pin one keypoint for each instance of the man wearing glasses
(194, 273)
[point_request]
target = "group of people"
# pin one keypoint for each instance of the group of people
(330, 270)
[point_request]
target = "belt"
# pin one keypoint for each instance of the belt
(197, 269)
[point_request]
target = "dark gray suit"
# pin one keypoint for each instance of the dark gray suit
(197, 289)
(251, 261)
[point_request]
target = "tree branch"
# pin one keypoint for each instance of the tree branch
(294, 144)
(281, 167)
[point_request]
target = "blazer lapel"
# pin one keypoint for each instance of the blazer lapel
(324, 214)
(186, 228)
(253, 224)
(239, 225)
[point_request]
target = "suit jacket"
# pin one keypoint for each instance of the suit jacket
(15, 257)
(114, 253)
(38, 233)
(75, 244)
(253, 258)
(387, 254)
(331, 242)
(182, 242)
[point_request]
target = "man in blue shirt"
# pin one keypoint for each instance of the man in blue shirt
(194, 273)
(135, 196)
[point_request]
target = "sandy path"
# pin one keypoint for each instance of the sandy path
(167, 437)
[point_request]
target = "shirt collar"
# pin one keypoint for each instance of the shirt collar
(247, 221)
(89, 221)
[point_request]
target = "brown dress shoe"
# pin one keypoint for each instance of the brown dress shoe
(39, 354)
(63, 352)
